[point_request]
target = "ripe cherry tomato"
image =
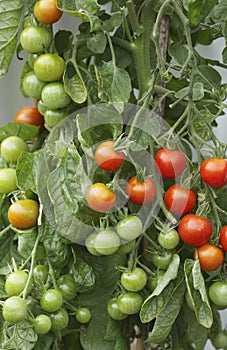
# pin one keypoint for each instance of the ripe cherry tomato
(170, 162)
(83, 315)
(12, 147)
(194, 230)
(218, 293)
(179, 200)
(213, 171)
(42, 324)
(107, 158)
(49, 67)
(8, 180)
(35, 39)
(14, 310)
(23, 214)
(135, 280)
(223, 238)
(29, 115)
(107, 242)
(210, 257)
(100, 198)
(140, 192)
(46, 11)
(15, 282)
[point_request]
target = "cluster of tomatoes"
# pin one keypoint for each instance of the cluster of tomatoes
(42, 75)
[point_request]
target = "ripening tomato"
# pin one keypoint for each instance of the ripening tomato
(107, 158)
(170, 162)
(29, 115)
(179, 200)
(194, 230)
(210, 257)
(23, 214)
(140, 192)
(100, 198)
(46, 11)
(223, 238)
(213, 171)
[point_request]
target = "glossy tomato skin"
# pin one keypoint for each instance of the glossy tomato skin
(218, 293)
(54, 95)
(8, 180)
(67, 287)
(223, 238)
(129, 303)
(59, 320)
(107, 242)
(14, 310)
(107, 158)
(12, 147)
(35, 39)
(100, 198)
(23, 214)
(32, 85)
(179, 200)
(51, 300)
(42, 324)
(194, 230)
(16, 282)
(130, 227)
(213, 171)
(170, 163)
(113, 310)
(140, 192)
(210, 257)
(162, 259)
(219, 340)
(169, 240)
(134, 281)
(40, 273)
(49, 67)
(46, 11)
(83, 315)
(30, 115)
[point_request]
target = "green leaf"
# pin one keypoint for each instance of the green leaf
(220, 11)
(74, 83)
(199, 9)
(178, 52)
(197, 92)
(225, 30)
(209, 77)
(83, 273)
(114, 21)
(195, 333)
(26, 243)
(224, 55)
(26, 171)
(114, 84)
(44, 341)
(10, 19)
(22, 336)
(62, 41)
(8, 251)
(97, 42)
(114, 333)
(197, 292)
(25, 131)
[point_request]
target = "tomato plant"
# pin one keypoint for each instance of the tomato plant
(170, 162)
(29, 115)
(179, 200)
(100, 198)
(23, 213)
(106, 157)
(194, 230)
(210, 257)
(113, 218)
(140, 192)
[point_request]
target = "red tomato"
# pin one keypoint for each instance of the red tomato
(213, 171)
(100, 198)
(46, 11)
(179, 200)
(170, 163)
(194, 230)
(140, 192)
(107, 158)
(210, 257)
(223, 238)
(29, 115)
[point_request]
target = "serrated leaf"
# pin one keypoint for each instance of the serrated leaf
(10, 19)
(74, 83)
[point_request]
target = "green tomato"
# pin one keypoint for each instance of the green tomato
(130, 228)
(49, 67)
(89, 243)
(135, 280)
(51, 300)
(83, 315)
(8, 180)
(15, 282)
(35, 39)
(40, 273)
(126, 247)
(53, 116)
(219, 340)
(14, 310)
(153, 281)
(67, 287)
(59, 320)
(54, 95)
(32, 85)
(113, 310)
(42, 324)
(162, 259)
(12, 147)
(107, 242)
(129, 303)
(31, 59)
(169, 239)
(218, 293)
